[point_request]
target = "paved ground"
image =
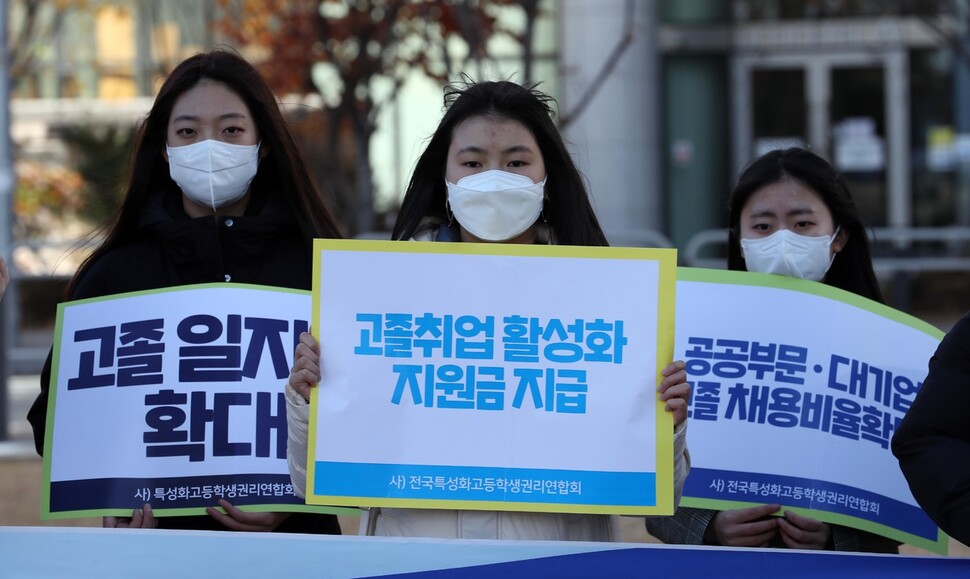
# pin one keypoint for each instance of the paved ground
(21, 393)
(20, 467)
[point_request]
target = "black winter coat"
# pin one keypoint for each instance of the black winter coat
(933, 440)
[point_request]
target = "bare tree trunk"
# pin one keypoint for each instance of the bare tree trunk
(531, 8)
(333, 173)
(364, 206)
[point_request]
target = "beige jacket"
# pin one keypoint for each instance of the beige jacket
(449, 524)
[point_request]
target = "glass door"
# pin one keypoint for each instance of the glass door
(780, 109)
(857, 116)
(850, 108)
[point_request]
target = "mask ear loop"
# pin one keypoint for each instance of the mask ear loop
(448, 211)
(834, 253)
(545, 222)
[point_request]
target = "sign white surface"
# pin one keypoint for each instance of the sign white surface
(173, 398)
(797, 390)
(424, 373)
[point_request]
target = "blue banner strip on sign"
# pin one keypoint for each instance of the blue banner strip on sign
(725, 485)
(475, 483)
(171, 493)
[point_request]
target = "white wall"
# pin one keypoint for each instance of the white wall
(616, 139)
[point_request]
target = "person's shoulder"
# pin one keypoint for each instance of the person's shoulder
(954, 351)
(123, 269)
(434, 229)
(424, 234)
(961, 327)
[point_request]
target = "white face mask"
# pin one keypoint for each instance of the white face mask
(213, 173)
(785, 252)
(496, 205)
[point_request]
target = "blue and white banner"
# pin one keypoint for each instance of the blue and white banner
(173, 398)
(491, 376)
(798, 388)
(82, 553)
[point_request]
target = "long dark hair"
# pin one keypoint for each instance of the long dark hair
(282, 172)
(851, 269)
(567, 209)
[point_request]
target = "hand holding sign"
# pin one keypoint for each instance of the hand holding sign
(4, 276)
(800, 532)
(306, 365)
(751, 527)
(142, 518)
(238, 520)
(675, 391)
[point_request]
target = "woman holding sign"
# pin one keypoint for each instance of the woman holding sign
(217, 192)
(495, 170)
(790, 214)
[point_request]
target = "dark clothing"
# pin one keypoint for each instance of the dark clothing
(688, 526)
(933, 441)
(265, 247)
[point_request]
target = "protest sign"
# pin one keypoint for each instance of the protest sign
(798, 388)
(491, 376)
(172, 397)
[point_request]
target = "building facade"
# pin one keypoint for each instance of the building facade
(878, 88)
(663, 102)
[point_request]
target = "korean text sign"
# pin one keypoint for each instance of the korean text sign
(173, 398)
(798, 388)
(491, 376)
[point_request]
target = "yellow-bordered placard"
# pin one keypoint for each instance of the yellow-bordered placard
(492, 376)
